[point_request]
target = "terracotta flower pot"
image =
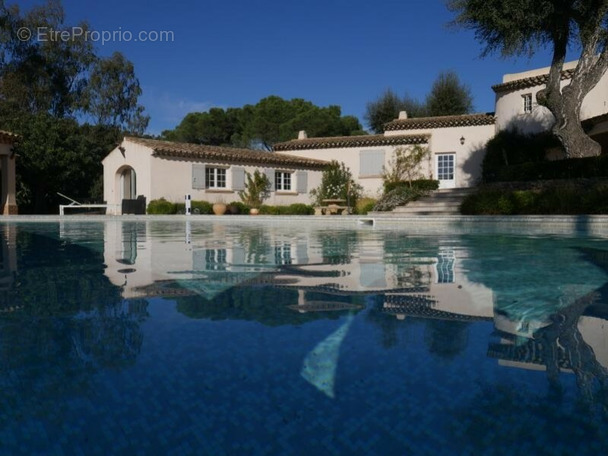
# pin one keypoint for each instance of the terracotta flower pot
(219, 208)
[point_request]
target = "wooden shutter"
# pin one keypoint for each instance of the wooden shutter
(238, 178)
(270, 174)
(302, 182)
(371, 162)
(198, 176)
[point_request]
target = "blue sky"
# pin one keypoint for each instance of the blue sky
(335, 52)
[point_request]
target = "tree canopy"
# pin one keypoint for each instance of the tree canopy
(448, 96)
(271, 120)
(387, 108)
(48, 89)
(111, 94)
(516, 27)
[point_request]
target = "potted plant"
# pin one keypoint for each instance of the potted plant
(219, 207)
(257, 189)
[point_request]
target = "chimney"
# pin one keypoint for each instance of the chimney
(302, 134)
(402, 115)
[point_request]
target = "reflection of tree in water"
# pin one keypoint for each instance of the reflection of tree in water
(446, 339)
(550, 424)
(560, 345)
(267, 305)
(69, 322)
(337, 247)
(388, 325)
(256, 243)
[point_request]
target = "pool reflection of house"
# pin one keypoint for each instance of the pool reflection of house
(218, 258)
(433, 284)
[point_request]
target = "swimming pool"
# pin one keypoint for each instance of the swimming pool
(151, 337)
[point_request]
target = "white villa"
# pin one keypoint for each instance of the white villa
(457, 146)
(516, 105)
(163, 169)
(156, 169)
(440, 289)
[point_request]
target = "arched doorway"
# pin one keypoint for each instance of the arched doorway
(128, 183)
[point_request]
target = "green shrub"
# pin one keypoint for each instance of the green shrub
(365, 205)
(524, 201)
(398, 197)
(420, 184)
(561, 198)
(482, 203)
(336, 183)
(238, 207)
(292, 209)
(572, 168)
(202, 207)
(161, 206)
(268, 210)
(300, 209)
(510, 148)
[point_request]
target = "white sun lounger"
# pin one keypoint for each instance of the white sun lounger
(76, 204)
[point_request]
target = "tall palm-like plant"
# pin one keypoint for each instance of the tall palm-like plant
(257, 189)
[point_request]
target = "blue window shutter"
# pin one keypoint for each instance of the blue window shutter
(371, 162)
(238, 178)
(198, 176)
(270, 175)
(302, 182)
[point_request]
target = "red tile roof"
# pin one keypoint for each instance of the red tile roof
(351, 141)
(225, 154)
(426, 123)
(532, 81)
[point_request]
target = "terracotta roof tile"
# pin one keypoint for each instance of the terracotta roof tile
(532, 81)
(225, 154)
(425, 123)
(8, 137)
(350, 141)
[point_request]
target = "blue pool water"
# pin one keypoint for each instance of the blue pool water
(172, 338)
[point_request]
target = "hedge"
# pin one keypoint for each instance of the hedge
(162, 206)
(572, 198)
(418, 184)
(572, 168)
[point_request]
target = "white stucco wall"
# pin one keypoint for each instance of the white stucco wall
(137, 157)
(468, 155)
(171, 178)
(443, 140)
(351, 157)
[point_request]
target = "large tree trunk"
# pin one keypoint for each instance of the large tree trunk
(569, 131)
(565, 104)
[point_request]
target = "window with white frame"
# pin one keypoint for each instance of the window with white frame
(527, 102)
(282, 254)
(282, 181)
(215, 177)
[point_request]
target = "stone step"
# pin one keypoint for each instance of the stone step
(440, 202)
